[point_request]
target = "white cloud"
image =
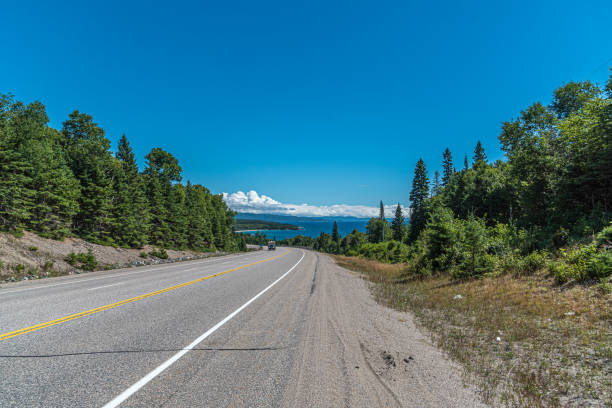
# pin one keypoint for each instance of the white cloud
(254, 203)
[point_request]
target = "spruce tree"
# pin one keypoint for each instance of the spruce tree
(335, 234)
(162, 169)
(436, 186)
(479, 155)
(466, 165)
(381, 213)
(131, 207)
(177, 218)
(198, 229)
(447, 167)
(16, 199)
(418, 195)
(91, 162)
(398, 224)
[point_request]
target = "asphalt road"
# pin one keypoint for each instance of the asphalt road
(197, 333)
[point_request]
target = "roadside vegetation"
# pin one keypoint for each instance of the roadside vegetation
(509, 263)
(523, 340)
(68, 183)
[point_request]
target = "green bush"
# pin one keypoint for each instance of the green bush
(599, 265)
(604, 238)
(560, 238)
(33, 248)
(18, 268)
(605, 286)
(143, 254)
(480, 265)
(509, 263)
(83, 260)
(573, 263)
(533, 262)
(160, 253)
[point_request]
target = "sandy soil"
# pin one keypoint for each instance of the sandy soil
(358, 353)
(33, 252)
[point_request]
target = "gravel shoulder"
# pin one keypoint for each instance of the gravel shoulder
(355, 352)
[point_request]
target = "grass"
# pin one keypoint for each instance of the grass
(555, 343)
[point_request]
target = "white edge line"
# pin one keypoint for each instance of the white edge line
(107, 286)
(144, 380)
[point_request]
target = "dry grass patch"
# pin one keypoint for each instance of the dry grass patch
(523, 341)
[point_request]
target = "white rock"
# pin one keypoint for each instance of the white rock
(498, 338)
(458, 297)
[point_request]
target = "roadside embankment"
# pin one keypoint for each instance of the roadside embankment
(33, 257)
(522, 340)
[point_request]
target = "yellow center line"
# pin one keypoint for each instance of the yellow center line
(123, 302)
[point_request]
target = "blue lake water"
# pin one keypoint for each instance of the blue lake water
(315, 227)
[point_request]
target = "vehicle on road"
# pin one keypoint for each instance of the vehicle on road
(271, 245)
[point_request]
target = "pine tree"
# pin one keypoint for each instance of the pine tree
(335, 234)
(16, 199)
(479, 155)
(131, 207)
(382, 211)
(447, 167)
(198, 229)
(418, 195)
(91, 162)
(466, 166)
(398, 225)
(436, 186)
(177, 218)
(162, 169)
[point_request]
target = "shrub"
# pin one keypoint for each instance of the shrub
(474, 266)
(605, 286)
(509, 263)
(573, 263)
(33, 248)
(474, 260)
(83, 260)
(160, 253)
(599, 265)
(533, 262)
(604, 238)
(143, 254)
(18, 233)
(560, 238)
(17, 268)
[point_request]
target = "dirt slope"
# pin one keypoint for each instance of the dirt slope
(33, 257)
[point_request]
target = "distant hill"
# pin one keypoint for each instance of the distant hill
(290, 218)
(252, 224)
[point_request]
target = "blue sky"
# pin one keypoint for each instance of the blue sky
(316, 102)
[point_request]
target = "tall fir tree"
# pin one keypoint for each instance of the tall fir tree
(466, 165)
(162, 169)
(418, 196)
(16, 198)
(447, 167)
(479, 155)
(131, 207)
(436, 186)
(92, 164)
(398, 225)
(335, 234)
